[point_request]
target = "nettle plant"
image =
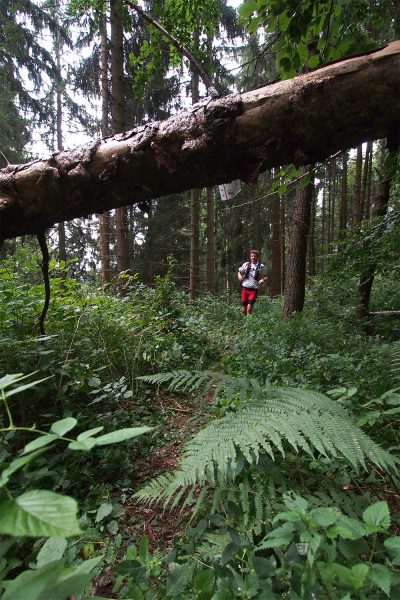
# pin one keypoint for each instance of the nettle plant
(41, 513)
(322, 551)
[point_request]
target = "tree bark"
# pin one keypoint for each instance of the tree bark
(213, 142)
(379, 209)
(311, 237)
(333, 177)
(283, 245)
(194, 243)
(210, 241)
(297, 252)
(364, 185)
(343, 200)
(357, 208)
(276, 247)
(323, 224)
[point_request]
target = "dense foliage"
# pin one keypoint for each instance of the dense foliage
(297, 520)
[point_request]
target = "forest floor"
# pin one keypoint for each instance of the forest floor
(159, 525)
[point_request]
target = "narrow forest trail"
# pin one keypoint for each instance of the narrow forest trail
(182, 419)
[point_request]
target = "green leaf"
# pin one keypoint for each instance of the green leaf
(52, 581)
(103, 511)
(112, 527)
(178, 579)
(359, 573)
(52, 550)
(282, 536)
(283, 21)
(117, 510)
(324, 517)
(247, 8)
(348, 528)
(313, 61)
(39, 513)
(62, 427)
(86, 444)
(204, 581)
(121, 435)
(282, 189)
(34, 584)
(378, 515)
(264, 567)
(27, 386)
(89, 433)
(16, 464)
(381, 576)
(74, 579)
(353, 577)
(393, 545)
(8, 380)
(352, 548)
(40, 442)
(228, 553)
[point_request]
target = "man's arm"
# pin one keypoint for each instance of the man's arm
(242, 272)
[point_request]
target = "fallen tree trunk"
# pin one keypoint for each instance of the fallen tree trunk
(301, 120)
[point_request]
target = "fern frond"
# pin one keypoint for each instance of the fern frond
(213, 546)
(267, 421)
(394, 364)
(190, 381)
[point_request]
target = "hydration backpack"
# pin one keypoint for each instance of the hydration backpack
(257, 271)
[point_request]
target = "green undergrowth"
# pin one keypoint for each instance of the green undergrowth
(300, 501)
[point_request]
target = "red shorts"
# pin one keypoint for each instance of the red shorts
(249, 295)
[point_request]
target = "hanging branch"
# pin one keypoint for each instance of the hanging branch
(5, 158)
(45, 270)
(196, 66)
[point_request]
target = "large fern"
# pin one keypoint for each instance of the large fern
(268, 419)
(394, 363)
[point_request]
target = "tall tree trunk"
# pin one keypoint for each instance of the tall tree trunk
(194, 243)
(364, 185)
(365, 176)
(105, 229)
(323, 223)
(210, 241)
(297, 252)
(256, 220)
(283, 245)
(62, 250)
(118, 121)
(194, 215)
(329, 206)
(311, 237)
(276, 247)
(357, 214)
(343, 199)
(333, 198)
(369, 185)
(379, 209)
